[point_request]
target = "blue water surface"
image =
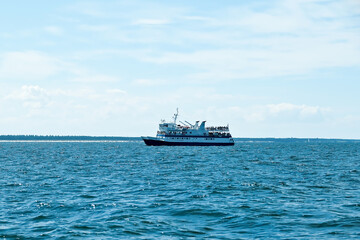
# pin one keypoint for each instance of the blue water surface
(126, 190)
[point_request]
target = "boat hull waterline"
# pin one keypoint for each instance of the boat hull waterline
(161, 142)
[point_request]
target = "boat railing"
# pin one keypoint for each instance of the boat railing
(220, 128)
(219, 134)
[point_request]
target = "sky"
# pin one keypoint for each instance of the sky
(285, 68)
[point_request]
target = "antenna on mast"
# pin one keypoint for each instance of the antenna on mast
(176, 115)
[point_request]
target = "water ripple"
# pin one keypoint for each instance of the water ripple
(126, 190)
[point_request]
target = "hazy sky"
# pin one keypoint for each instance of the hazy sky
(268, 68)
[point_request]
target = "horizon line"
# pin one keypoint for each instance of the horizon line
(107, 136)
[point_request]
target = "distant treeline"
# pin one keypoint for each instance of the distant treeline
(310, 140)
(62, 138)
(112, 138)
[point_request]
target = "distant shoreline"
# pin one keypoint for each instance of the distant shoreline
(63, 138)
(114, 138)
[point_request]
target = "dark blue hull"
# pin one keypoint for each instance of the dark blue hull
(151, 142)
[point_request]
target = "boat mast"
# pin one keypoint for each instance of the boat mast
(176, 115)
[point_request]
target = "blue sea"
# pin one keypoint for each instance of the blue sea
(126, 190)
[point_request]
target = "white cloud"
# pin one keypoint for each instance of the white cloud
(284, 39)
(35, 66)
(116, 91)
(31, 96)
(143, 82)
(28, 65)
(303, 109)
(96, 28)
(87, 78)
(54, 30)
(273, 113)
(198, 18)
(28, 93)
(151, 22)
(175, 45)
(287, 112)
(91, 9)
(274, 57)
